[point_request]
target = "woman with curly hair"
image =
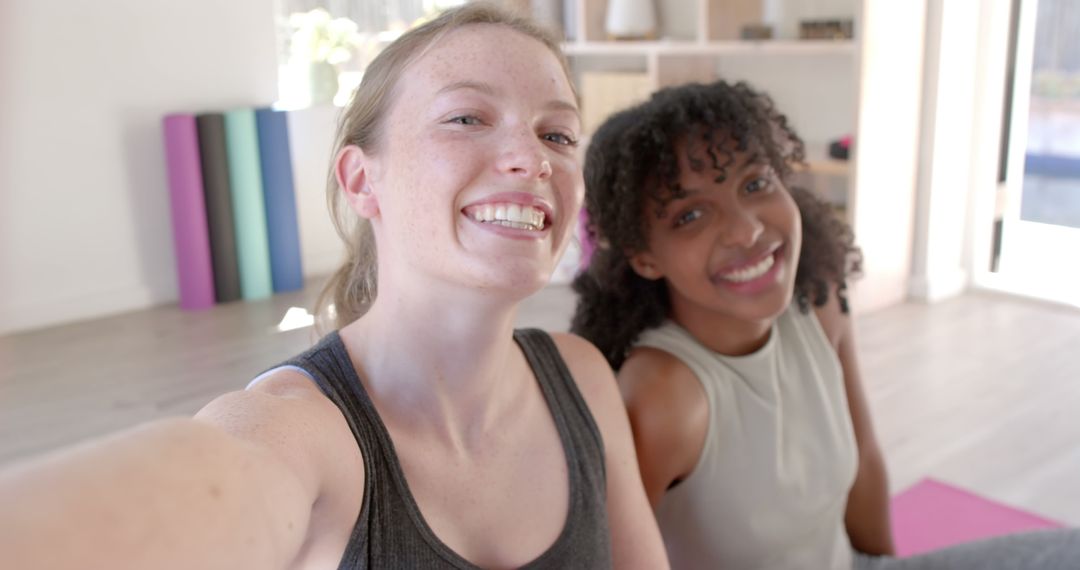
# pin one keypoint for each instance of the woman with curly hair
(717, 292)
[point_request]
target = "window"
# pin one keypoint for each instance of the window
(324, 45)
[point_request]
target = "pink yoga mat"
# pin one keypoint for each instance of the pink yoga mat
(931, 515)
(191, 239)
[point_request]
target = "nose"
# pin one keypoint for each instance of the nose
(524, 156)
(741, 227)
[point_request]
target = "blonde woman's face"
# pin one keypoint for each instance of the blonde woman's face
(479, 182)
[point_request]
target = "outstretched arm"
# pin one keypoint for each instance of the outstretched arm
(211, 492)
(867, 515)
(635, 538)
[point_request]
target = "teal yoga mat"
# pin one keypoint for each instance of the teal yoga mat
(249, 210)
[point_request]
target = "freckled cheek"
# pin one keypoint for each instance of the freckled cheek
(569, 176)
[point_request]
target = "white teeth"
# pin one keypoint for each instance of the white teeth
(517, 225)
(752, 272)
(511, 216)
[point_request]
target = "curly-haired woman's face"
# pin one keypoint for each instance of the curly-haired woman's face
(728, 249)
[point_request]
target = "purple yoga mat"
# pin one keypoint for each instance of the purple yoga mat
(932, 515)
(191, 239)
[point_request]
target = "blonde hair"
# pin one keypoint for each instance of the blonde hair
(353, 287)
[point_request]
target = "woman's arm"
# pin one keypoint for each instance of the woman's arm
(230, 488)
(635, 538)
(669, 416)
(867, 515)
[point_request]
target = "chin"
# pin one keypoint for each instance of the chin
(767, 307)
(516, 282)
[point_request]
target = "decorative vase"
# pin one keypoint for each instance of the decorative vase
(630, 19)
(322, 82)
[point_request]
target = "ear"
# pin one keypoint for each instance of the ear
(644, 264)
(357, 173)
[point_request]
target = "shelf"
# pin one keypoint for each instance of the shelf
(819, 162)
(827, 167)
(762, 47)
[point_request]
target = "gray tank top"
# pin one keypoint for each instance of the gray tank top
(390, 531)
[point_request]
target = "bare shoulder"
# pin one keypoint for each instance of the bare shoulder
(579, 354)
(655, 382)
(288, 415)
(635, 539)
(590, 370)
(285, 402)
(669, 414)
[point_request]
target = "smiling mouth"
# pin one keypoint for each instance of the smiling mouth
(511, 216)
(752, 272)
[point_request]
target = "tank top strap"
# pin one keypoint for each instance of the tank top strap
(390, 531)
(585, 541)
(567, 405)
(329, 366)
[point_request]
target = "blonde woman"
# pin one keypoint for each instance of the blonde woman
(425, 432)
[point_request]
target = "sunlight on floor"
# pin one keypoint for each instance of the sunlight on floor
(295, 318)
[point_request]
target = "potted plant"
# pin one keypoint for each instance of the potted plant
(318, 44)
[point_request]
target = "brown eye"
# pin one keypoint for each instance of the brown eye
(757, 185)
(687, 217)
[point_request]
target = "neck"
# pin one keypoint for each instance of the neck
(723, 333)
(442, 360)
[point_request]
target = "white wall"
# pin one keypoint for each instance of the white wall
(817, 92)
(887, 140)
(944, 174)
(84, 220)
(963, 96)
(311, 133)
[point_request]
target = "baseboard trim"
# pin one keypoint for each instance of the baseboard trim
(942, 285)
(24, 317)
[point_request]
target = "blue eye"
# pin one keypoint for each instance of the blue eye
(560, 139)
(687, 217)
(468, 120)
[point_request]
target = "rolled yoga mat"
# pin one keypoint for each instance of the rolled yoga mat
(283, 232)
(219, 212)
(249, 209)
(191, 239)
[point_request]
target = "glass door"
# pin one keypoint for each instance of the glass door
(1039, 232)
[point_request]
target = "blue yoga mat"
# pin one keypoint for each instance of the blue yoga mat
(283, 231)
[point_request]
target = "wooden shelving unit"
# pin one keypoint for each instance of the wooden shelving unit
(868, 87)
(632, 69)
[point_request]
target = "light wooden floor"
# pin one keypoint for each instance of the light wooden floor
(982, 391)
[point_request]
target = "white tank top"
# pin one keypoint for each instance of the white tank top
(770, 488)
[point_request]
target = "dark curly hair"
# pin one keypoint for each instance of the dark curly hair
(632, 160)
